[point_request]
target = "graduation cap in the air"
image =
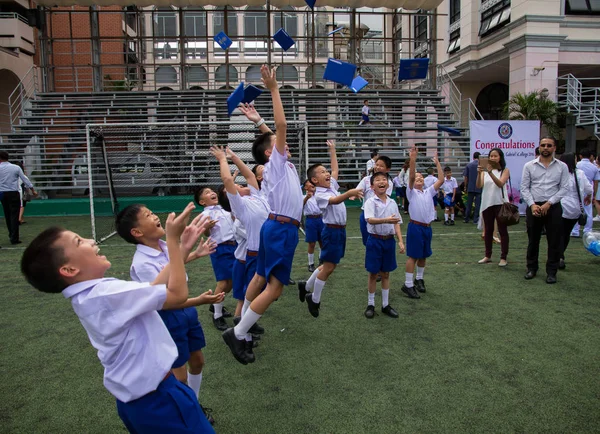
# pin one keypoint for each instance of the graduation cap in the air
(358, 84)
(311, 3)
(339, 72)
(449, 130)
(223, 40)
(241, 95)
(283, 39)
(413, 69)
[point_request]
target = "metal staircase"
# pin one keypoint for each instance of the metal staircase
(583, 102)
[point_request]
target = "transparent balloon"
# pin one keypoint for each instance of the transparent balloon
(591, 242)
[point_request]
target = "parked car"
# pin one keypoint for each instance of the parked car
(131, 174)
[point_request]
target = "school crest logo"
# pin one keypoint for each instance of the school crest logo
(505, 131)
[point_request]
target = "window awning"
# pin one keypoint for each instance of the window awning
(391, 4)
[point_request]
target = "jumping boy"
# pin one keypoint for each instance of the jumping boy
(331, 203)
(383, 222)
(418, 235)
(450, 188)
(279, 234)
(137, 225)
(365, 113)
(123, 324)
(220, 230)
(313, 223)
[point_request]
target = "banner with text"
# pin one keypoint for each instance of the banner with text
(517, 139)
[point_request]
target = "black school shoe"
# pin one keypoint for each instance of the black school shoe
(410, 291)
(220, 323)
(370, 312)
(313, 307)
(451, 222)
(237, 346)
(208, 413)
(311, 268)
(302, 290)
(389, 311)
(226, 313)
(249, 353)
(420, 285)
(256, 330)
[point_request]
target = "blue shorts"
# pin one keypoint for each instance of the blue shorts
(366, 118)
(278, 243)
(418, 241)
(380, 255)
(313, 228)
(172, 408)
(239, 279)
(448, 202)
(186, 331)
(250, 271)
(363, 228)
(334, 245)
(222, 261)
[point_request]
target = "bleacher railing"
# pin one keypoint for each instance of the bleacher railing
(18, 100)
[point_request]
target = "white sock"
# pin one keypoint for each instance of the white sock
(318, 289)
(194, 381)
(311, 259)
(385, 297)
(248, 320)
(371, 299)
(452, 216)
(310, 283)
(248, 337)
(218, 310)
(446, 217)
(409, 279)
(420, 271)
(245, 307)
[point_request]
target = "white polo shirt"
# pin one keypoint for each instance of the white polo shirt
(251, 211)
(570, 202)
(122, 323)
(420, 205)
(376, 208)
(591, 171)
(332, 214)
(241, 239)
(223, 229)
(281, 186)
(311, 207)
(449, 185)
(429, 181)
(365, 186)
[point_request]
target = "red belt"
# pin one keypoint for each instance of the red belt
(314, 216)
(167, 376)
(284, 219)
(335, 226)
(381, 237)
(241, 261)
(228, 243)
(420, 224)
(251, 253)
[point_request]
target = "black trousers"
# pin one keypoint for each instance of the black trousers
(552, 222)
(568, 225)
(11, 202)
(473, 197)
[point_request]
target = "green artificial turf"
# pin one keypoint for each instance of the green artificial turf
(482, 351)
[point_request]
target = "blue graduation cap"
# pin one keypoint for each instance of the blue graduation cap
(358, 84)
(283, 39)
(251, 93)
(339, 72)
(339, 29)
(311, 3)
(449, 130)
(235, 98)
(223, 40)
(413, 69)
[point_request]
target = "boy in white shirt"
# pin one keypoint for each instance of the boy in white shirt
(429, 180)
(122, 322)
(313, 223)
(331, 203)
(365, 113)
(383, 220)
(418, 235)
(450, 188)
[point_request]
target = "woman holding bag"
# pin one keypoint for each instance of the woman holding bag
(580, 194)
(493, 178)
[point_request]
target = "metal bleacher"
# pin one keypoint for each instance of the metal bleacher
(48, 129)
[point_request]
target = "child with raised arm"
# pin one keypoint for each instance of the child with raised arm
(279, 234)
(418, 235)
(331, 203)
(383, 222)
(123, 325)
(313, 223)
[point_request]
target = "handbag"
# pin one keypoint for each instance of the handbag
(509, 212)
(582, 220)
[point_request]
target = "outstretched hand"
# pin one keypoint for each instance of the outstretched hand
(250, 112)
(268, 77)
(331, 145)
(413, 152)
(218, 152)
(209, 298)
(175, 225)
(205, 248)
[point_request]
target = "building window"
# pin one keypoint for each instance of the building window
(494, 15)
(255, 31)
(165, 74)
(582, 7)
(197, 74)
(315, 71)
(287, 18)
(195, 32)
(420, 32)
(165, 33)
(286, 73)
(221, 74)
(454, 29)
(253, 74)
(232, 30)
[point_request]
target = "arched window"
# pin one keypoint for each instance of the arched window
(197, 73)
(490, 101)
(221, 74)
(316, 71)
(286, 73)
(165, 74)
(253, 74)
(195, 32)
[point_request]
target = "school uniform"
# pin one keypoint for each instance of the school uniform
(239, 266)
(183, 324)
(251, 211)
(365, 114)
(428, 182)
(222, 233)
(313, 221)
(419, 234)
(380, 255)
(448, 187)
(365, 186)
(334, 218)
(137, 352)
(279, 233)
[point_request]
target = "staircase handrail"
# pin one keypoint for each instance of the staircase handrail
(25, 90)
